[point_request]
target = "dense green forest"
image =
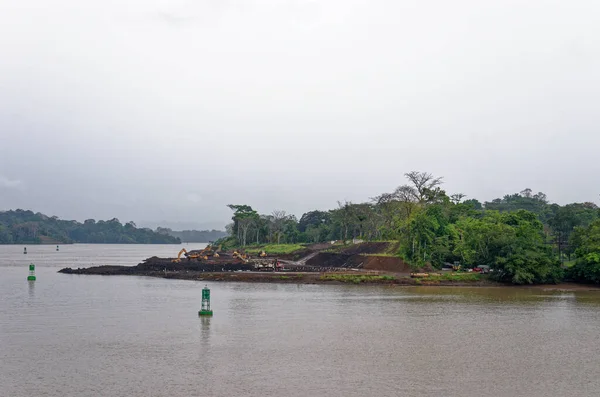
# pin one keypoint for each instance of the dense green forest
(27, 227)
(193, 236)
(523, 237)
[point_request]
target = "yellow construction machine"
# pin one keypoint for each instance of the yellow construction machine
(183, 251)
(243, 257)
(202, 254)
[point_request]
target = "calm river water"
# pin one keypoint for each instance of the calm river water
(70, 335)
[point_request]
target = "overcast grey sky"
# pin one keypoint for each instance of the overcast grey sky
(169, 110)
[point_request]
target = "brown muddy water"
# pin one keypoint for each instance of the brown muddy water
(69, 335)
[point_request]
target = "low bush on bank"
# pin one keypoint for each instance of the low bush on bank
(466, 277)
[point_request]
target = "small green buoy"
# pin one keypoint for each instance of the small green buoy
(205, 309)
(25, 250)
(31, 276)
(57, 247)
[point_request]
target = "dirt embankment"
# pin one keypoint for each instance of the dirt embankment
(386, 264)
(330, 259)
(368, 256)
(367, 262)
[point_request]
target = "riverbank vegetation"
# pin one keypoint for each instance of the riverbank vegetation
(27, 227)
(585, 241)
(522, 237)
(457, 277)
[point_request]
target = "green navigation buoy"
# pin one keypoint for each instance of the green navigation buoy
(205, 308)
(31, 276)
(57, 247)
(25, 250)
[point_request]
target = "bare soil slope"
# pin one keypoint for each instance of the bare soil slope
(386, 263)
(369, 256)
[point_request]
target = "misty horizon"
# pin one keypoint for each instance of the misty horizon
(215, 225)
(167, 112)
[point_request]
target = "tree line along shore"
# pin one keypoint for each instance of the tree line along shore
(522, 237)
(26, 227)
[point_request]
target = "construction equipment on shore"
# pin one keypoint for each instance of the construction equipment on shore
(243, 257)
(262, 265)
(178, 259)
(196, 254)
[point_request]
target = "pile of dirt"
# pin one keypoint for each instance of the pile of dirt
(101, 270)
(330, 259)
(155, 264)
(212, 265)
(386, 263)
(367, 262)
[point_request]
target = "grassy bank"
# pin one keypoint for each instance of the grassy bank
(458, 278)
(275, 249)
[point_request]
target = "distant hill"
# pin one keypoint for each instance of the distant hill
(26, 227)
(193, 236)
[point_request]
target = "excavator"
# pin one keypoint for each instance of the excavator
(243, 257)
(202, 254)
(183, 251)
